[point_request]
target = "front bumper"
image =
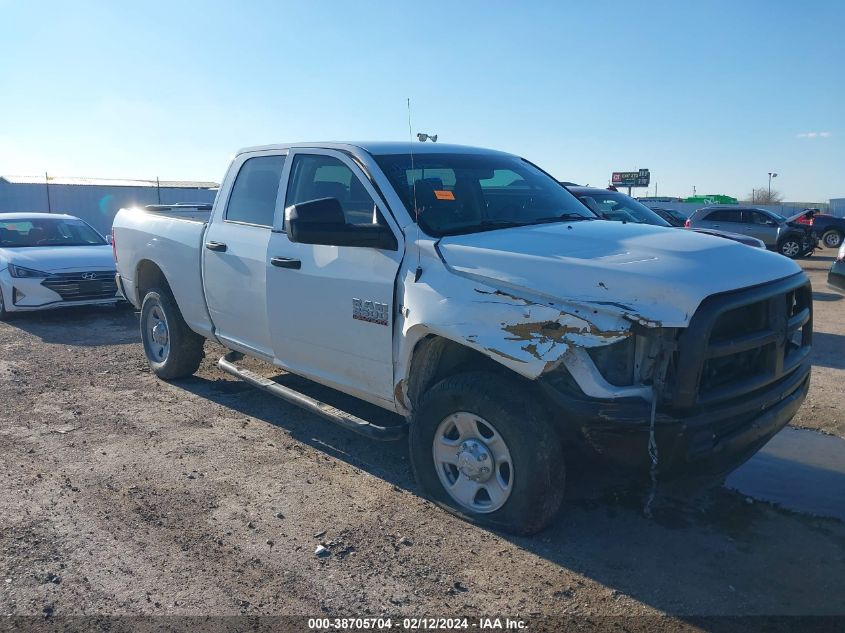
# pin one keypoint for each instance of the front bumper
(704, 441)
(31, 294)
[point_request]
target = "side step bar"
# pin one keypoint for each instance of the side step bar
(330, 413)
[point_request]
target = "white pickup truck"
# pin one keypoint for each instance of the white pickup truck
(468, 291)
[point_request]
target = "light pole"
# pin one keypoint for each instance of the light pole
(771, 175)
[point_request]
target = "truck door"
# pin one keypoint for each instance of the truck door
(234, 253)
(331, 308)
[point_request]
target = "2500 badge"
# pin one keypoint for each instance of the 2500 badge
(370, 311)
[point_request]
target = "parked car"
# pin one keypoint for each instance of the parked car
(616, 206)
(784, 235)
(470, 293)
(50, 260)
(830, 228)
(675, 218)
(836, 276)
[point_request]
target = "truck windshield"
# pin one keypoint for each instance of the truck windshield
(467, 193)
(47, 232)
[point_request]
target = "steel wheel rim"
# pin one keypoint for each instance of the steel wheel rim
(832, 240)
(790, 249)
(157, 334)
(464, 445)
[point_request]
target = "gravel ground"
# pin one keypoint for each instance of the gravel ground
(123, 494)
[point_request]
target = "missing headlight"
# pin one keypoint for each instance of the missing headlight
(616, 361)
(631, 361)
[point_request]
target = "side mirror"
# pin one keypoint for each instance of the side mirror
(771, 223)
(322, 221)
(108, 239)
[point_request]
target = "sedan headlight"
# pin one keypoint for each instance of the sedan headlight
(27, 273)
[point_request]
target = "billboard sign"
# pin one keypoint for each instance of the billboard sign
(640, 178)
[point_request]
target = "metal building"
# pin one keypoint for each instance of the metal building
(96, 200)
(837, 207)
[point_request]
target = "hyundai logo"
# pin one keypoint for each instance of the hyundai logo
(89, 275)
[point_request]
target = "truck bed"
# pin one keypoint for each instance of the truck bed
(169, 238)
(195, 212)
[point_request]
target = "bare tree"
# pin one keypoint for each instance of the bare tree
(764, 196)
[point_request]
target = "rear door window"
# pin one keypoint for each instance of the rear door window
(724, 215)
(253, 198)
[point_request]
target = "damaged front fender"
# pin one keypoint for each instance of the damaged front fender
(528, 335)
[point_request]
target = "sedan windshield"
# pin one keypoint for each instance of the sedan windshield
(47, 232)
(450, 194)
(613, 205)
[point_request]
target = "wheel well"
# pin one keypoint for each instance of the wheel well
(149, 276)
(436, 358)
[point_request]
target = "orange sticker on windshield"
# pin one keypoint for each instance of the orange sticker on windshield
(442, 194)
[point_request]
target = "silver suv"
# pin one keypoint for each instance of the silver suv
(778, 233)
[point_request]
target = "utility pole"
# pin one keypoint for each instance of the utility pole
(771, 175)
(47, 186)
(158, 189)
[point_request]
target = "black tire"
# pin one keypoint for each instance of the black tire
(791, 247)
(3, 313)
(185, 347)
(534, 448)
(832, 238)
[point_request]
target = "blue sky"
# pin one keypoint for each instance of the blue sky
(706, 94)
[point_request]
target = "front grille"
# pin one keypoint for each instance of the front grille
(740, 342)
(83, 286)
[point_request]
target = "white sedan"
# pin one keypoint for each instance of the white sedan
(50, 260)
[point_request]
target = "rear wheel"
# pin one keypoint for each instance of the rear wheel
(832, 239)
(790, 247)
(484, 450)
(172, 348)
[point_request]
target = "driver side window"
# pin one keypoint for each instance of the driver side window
(759, 218)
(315, 176)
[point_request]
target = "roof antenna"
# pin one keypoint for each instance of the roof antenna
(418, 272)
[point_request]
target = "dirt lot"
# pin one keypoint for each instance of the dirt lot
(123, 494)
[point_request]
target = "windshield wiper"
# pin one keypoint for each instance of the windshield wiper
(485, 225)
(501, 223)
(563, 217)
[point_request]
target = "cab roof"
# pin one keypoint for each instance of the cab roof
(377, 148)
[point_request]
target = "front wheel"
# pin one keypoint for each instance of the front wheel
(172, 348)
(790, 247)
(484, 450)
(3, 312)
(832, 239)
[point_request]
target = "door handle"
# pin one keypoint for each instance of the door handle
(220, 247)
(715, 226)
(286, 262)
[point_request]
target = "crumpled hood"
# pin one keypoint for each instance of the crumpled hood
(654, 273)
(60, 258)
